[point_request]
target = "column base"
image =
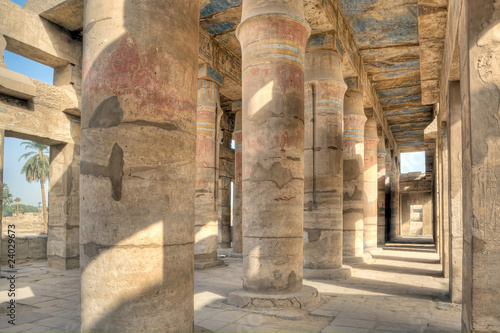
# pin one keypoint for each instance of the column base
(307, 298)
(205, 264)
(374, 250)
(366, 258)
(328, 274)
(235, 255)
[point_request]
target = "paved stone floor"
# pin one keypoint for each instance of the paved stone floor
(400, 291)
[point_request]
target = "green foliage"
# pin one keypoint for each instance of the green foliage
(7, 196)
(11, 209)
(36, 167)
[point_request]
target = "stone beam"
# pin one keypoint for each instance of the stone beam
(324, 15)
(66, 13)
(223, 61)
(432, 17)
(33, 37)
(450, 70)
(41, 119)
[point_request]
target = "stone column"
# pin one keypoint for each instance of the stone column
(381, 176)
(138, 151)
(324, 102)
(224, 212)
(273, 36)
(354, 166)
(64, 202)
(455, 181)
(237, 231)
(225, 196)
(395, 198)
(370, 190)
(388, 182)
(445, 224)
(207, 175)
(479, 33)
(2, 148)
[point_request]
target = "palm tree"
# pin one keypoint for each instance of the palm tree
(18, 201)
(36, 169)
(7, 197)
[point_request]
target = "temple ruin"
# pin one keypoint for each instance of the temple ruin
(272, 129)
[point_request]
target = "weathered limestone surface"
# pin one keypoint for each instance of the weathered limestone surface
(445, 227)
(41, 119)
(323, 173)
(381, 176)
(226, 158)
(64, 202)
(28, 248)
(395, 205)
(66, 13)
(3, 45)
(207, 175)
(138, 158)
(417, 221)
(224, 225)
(388, 183)
(370, 185)
(16, 85)
(2, 149)
(479, 58)
(273, 38)
(455, 191)
(354, 166)
(237, 231)
(32, 36)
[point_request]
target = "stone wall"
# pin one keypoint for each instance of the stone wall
(28, 248)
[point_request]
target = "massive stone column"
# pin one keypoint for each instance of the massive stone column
(224, 212)
(354, 166)
(388, 182)
(395, 198)
(137, 176)
(273, 36)
(455, 181)
(445, 224)
(64, 203)
(225, 196)
(2, 148)
(237, 231)
(323, 174)
(370, 189)
(207, 175)
(480, 85)
(381, 176)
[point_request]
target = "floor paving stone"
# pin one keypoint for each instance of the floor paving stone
(400, 291)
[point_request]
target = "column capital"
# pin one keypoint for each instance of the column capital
(207, 72)
(236, 106)
(325, 41)
(354, 83)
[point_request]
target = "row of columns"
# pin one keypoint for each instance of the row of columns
(149, 163)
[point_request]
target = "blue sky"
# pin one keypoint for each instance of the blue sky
(413, 162)
(29, 193)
